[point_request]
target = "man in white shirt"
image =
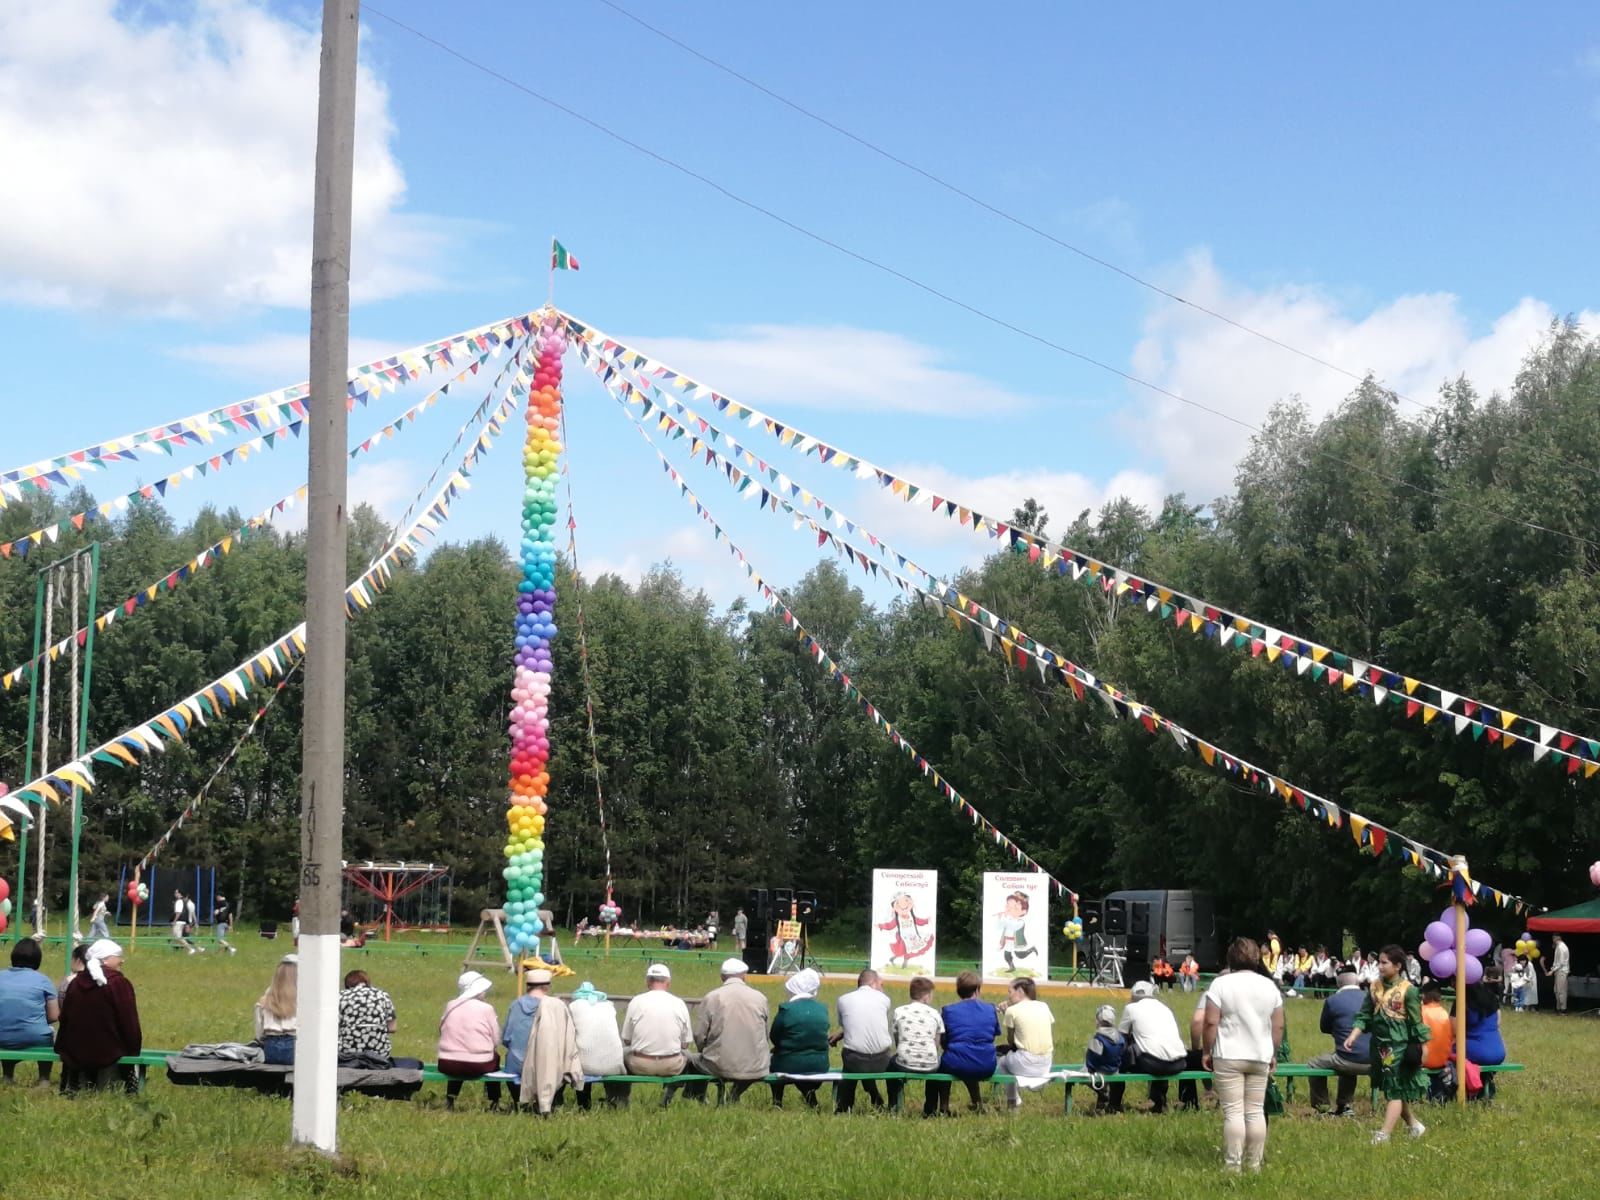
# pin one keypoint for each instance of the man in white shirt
(656, 1030)
(1558, 968)
(864, 1030)
(1155, 1047)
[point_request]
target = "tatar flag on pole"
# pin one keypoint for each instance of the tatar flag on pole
(560, 258)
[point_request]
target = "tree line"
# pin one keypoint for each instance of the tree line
(729, 760)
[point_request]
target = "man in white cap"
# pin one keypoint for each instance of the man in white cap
(656, 1033)
(730, 1028)
(1155, 1047)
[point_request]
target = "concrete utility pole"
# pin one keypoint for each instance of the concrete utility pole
(316, 1051)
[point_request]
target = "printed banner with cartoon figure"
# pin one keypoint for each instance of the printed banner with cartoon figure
(904, 914)
(1016, 925)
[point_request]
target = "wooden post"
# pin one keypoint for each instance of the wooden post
(1459, 867)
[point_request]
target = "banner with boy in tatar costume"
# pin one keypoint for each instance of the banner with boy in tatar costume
(903, 921)
(1016, 925)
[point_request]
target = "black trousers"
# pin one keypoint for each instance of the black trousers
(1135, 1063)
(861, 1064)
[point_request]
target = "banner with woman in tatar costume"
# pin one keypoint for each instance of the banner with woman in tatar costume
(1016, 925)
(904, 917)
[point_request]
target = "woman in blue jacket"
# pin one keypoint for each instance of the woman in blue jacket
(971, 1026)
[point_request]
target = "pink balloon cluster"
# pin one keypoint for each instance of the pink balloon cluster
(1439, 949)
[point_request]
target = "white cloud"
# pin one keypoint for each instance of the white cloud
(275, 359)
(832, 367)
(1062, 494)
(704, 563)
(164, 164)
(387, 486)
(1412, 344)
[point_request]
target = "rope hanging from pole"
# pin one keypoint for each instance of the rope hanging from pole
(583, 662)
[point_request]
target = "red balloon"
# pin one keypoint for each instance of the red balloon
(5, 889)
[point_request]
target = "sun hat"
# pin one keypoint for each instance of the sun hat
(471, 984)
(587, 991)
(734, 966)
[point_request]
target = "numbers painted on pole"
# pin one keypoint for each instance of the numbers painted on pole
(311, 875)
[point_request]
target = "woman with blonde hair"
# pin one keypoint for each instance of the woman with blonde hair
(275, 1013)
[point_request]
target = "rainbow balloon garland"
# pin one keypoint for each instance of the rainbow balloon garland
(535, 630)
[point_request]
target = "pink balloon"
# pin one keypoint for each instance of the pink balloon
(1474, 971)
(1443, 964)
(1479, 942)
(1426, 952)
(1439, 935)
(1594, 874)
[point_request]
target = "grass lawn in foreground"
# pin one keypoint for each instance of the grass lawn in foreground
(1540, 1138)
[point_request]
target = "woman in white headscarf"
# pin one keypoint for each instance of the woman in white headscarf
(800, 1036)
(469, 1038)
(99, 1024)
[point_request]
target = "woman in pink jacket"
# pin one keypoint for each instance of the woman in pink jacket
(469, 1038)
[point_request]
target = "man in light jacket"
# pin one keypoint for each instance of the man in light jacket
(730, 1028)
(551, 1059)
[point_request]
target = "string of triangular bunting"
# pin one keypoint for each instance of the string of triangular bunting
(1415, 698)
(1021, 650)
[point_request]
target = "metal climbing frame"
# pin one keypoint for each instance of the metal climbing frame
(408, 896)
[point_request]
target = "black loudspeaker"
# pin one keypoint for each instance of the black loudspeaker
(1116, 917)
(808, 904)
(1139, 919)
(755, 952)
(1089, 914)
(782, 902)
(756, 906)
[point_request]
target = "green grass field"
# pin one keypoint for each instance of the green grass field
(1540, 1138)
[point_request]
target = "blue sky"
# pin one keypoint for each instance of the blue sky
(1378, 187)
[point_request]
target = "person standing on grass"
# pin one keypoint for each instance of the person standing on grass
(182, 924)
(868, 1044)
(277, 1015)
(918, 1033)
(28, 1007)
(971, 1026)
(1559, 968)
(469, 1039)
(1244, 1025)
(98, 916)
(1392, 1014)
(1027, 1023)
(800, 1036)
(1155, 1047)
(741, 930)
(221, 920)
(99, 1024)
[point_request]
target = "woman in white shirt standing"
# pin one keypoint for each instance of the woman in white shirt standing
(1243, 1026)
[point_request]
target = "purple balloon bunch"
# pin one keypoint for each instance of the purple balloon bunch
(1439, 949)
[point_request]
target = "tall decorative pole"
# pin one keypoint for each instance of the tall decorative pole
(535, 630)
(1459, 882)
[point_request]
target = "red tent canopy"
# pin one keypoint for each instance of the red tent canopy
(1580, 918)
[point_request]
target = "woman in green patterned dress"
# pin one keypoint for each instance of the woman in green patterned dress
(1392, 1013)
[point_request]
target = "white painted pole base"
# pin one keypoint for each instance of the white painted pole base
(316, 1044)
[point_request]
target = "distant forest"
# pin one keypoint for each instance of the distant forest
(731, 760)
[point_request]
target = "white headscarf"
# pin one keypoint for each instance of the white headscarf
(803, 985)
(101, 949)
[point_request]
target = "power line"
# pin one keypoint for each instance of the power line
(930, 289)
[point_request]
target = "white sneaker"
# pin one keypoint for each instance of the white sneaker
(191, 949)
(232, 950)
(1418, 1129)
(1379, 1138)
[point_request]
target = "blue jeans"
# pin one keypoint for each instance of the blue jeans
(279, 1049)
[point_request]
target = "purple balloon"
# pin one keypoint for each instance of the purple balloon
(1479, 942)
(1448, 917)
(1426, 952)
(1443, 964)
(1439, 935)
(1474, 971)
